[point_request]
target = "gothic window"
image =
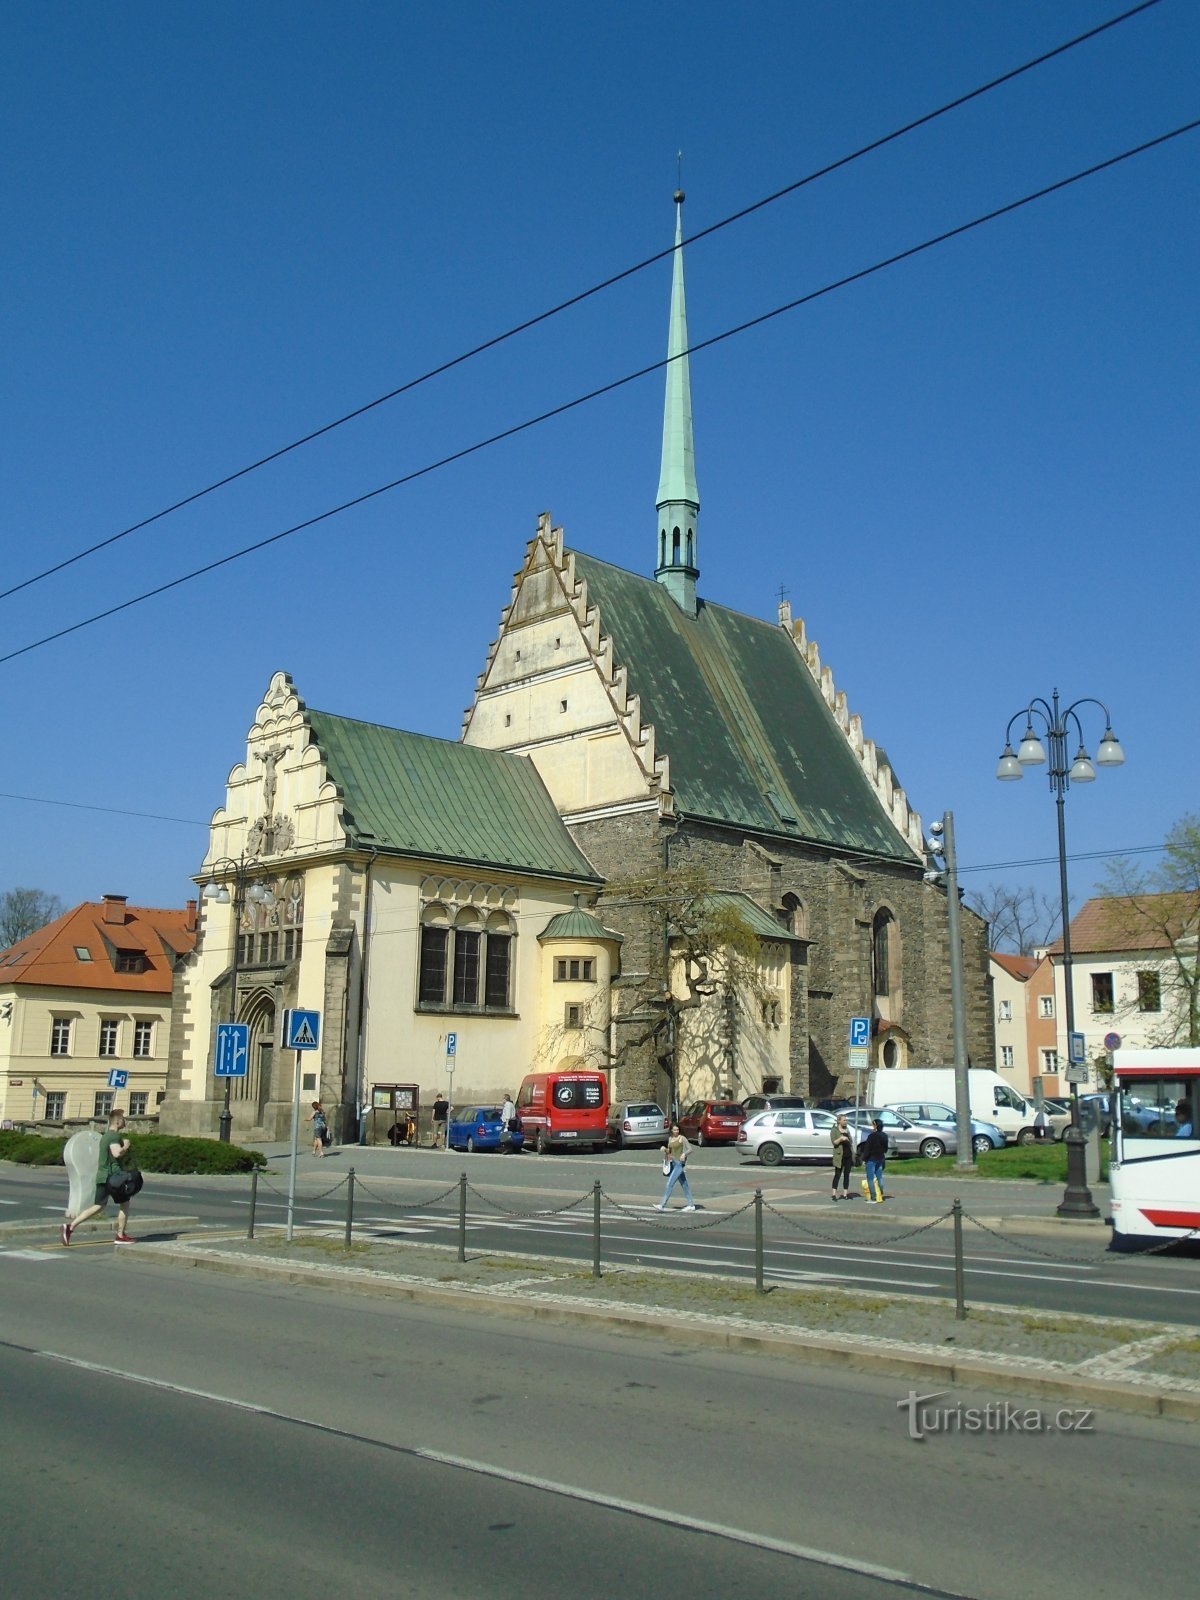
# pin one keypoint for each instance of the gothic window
(690, 545)
(674, 547)
(881, 952)
(792, 916)
(466, 966)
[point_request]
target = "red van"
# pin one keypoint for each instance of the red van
(560, 1109)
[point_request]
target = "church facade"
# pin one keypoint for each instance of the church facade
(663, 847)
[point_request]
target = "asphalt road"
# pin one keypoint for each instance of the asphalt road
(412, 1194)
(183, 1436)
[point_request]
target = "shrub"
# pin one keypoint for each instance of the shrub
(152, 1152)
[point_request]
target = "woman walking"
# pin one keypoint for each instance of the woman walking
(843, 1157)
(320, 1126)
(675, 1154)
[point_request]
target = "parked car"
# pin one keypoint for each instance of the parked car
(775, 1136)
(479, 1128)
(905, 1137)
(985, 1136)
(1095, 1108)
(754, 1103)
(637, 1122)
(836, 1103)
(712, 1121)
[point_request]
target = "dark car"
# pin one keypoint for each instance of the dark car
(479, 1128)
(754, 1103)
(712, 1121)
(835, 1103)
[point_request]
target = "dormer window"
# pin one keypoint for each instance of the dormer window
(131, 961)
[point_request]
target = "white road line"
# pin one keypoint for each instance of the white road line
(33, 1255)
(633, 1508)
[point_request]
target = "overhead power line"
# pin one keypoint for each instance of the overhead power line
(604, 389)
(578, 299)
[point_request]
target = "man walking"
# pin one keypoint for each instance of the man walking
(114, 1147)
(875, 1154)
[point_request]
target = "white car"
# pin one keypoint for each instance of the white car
(790, 1135)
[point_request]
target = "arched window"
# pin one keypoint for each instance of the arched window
(662, 547)
(690, 546)
(881, 952)
(465, 964)
(675, 547)
(793, 916)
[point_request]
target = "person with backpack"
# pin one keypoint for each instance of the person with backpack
(114, 1148)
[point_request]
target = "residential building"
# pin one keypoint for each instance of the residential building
(85, 1012)
(1026, 1021)
(1133, 967)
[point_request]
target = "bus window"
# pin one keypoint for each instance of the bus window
(1159, 1108)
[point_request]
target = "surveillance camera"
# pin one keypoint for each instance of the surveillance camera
(936, 828)
(934, 847)
(931, 876)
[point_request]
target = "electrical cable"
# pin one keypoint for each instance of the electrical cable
(577, 299)
(607, 388)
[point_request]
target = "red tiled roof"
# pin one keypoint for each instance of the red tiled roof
(1128, 922)
(1022, 967)
(48, 957)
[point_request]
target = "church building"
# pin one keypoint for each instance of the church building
(663, 848)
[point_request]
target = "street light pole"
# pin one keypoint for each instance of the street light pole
(219, 895)
(1057, 724)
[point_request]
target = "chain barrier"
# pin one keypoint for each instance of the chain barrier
(829, 1238)
(508, 1211)
(1104, 1255)
(309, 1199)
(405, 1205)
(715, 1221)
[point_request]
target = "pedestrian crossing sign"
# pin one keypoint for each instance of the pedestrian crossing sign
(301, 1030)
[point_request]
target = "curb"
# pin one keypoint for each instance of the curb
(47, 1233)
(855, 1352)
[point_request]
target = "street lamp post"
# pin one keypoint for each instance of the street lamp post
(1057, 726)
(218, 894)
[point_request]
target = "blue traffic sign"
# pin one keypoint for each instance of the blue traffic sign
(233, 1049)
(117, 1079)
(451, 1043)
(301, 1030)
(860, 1033)
(1076, 1049)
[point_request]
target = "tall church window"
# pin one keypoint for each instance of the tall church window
(881, 942)
(674, 547)
(690, 544)
(466, 966)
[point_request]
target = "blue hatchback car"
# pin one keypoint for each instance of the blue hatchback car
(479, 1128)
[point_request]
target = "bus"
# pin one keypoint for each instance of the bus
(1154, 1173)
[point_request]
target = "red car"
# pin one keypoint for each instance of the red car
(712, 1121)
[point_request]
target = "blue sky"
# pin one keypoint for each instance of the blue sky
(975, 472)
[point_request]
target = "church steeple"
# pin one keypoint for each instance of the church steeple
(678, 498)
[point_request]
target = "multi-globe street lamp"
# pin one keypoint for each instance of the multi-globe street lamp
(218, 894)
(1060, 726)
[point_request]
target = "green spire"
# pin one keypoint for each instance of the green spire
(678, 497)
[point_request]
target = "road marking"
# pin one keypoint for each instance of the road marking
(568, 1491)
(33, 1255)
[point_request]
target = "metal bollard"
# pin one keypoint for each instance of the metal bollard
(960, 1305)
(253, 1200)
(596, 1229)
(349, 1206)
(462, 1217)
(758, 1242)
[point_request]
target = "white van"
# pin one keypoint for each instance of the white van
(992, 1099)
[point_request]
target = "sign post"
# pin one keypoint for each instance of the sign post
(451, 1052)
(860, 1053)
(301, 1032)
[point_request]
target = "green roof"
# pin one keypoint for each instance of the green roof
(579, 924)
(759, 922)
(407, 794)
(751, 741)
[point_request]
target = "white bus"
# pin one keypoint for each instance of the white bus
(1154, 1174)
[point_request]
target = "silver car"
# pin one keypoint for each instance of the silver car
(637, 1122)
(985, 1136)
(904, 1137)
(775, 1136)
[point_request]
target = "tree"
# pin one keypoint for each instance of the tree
(701, 974)
(1021, 920)
(1159, 910)
(24, 911)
